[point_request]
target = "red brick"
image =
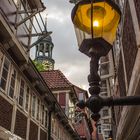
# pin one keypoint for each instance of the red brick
(43, 135)
(5, 113)
(33, 134)
(129, 43)
(21, 124)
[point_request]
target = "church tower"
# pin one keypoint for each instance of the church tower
(43, 53)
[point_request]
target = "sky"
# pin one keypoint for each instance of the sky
(68, 58)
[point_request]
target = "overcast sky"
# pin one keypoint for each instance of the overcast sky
(68, 59)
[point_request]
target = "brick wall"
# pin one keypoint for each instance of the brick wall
(33, 134)
(43, 135)
(20, 124)
(137, 5)
(121, 78)
(5, 113)
(129, 43)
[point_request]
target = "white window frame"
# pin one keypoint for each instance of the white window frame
(99, 129)
(33, 104)
(25, 98)
(15, 80)
(46, 117)
(26, 86)
(38, 109)
(105, 112)
(2, 68)
(1, 64)
(1, 61)
(19, 96)
(43, 114)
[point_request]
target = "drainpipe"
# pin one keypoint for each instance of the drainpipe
(49, 125)
(52, 108)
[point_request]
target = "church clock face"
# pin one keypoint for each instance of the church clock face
(47, 65)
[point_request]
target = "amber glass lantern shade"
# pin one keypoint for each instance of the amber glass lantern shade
(99, 19)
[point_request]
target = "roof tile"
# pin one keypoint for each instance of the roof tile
(56, 79)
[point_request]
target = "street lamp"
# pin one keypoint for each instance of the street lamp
(98, 20)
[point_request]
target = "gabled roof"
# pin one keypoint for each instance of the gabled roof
(56, 79)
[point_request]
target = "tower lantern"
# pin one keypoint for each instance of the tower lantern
(44, 53)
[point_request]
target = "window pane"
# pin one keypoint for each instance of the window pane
(21, 101)
(33, 105)
(3, 84)
(62, 99)
(46, 119)
(22, 83)
(21, 93)
(11, 92)
(12, 84)
(6, 64)
(99, 128)
(4, 74)
(106, 121)
(105, 112)
(43, 113)
(38, 109)
(81, 96)
(27, 99)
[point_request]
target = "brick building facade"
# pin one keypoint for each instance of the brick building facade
(127, 63)
(28, 109)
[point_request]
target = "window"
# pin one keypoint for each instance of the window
(1, 58)
(78, 117)
(53, 124)
(106, 121)
(21, 92)
(12, 83)
(38, 110)
(105, 112)
(106, 133)
(62, 99)
(33, 105)
(46, 118)
(99, 129)
(27, 99)
(42, 114)
(4, 76)
(81, 96)
(107, 126)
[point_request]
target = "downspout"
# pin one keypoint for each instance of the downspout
(51, 110)
(49, 125)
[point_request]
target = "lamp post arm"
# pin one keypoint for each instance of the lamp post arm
(95, 103)
(121, 101)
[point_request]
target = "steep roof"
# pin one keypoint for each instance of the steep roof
(56, 79)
